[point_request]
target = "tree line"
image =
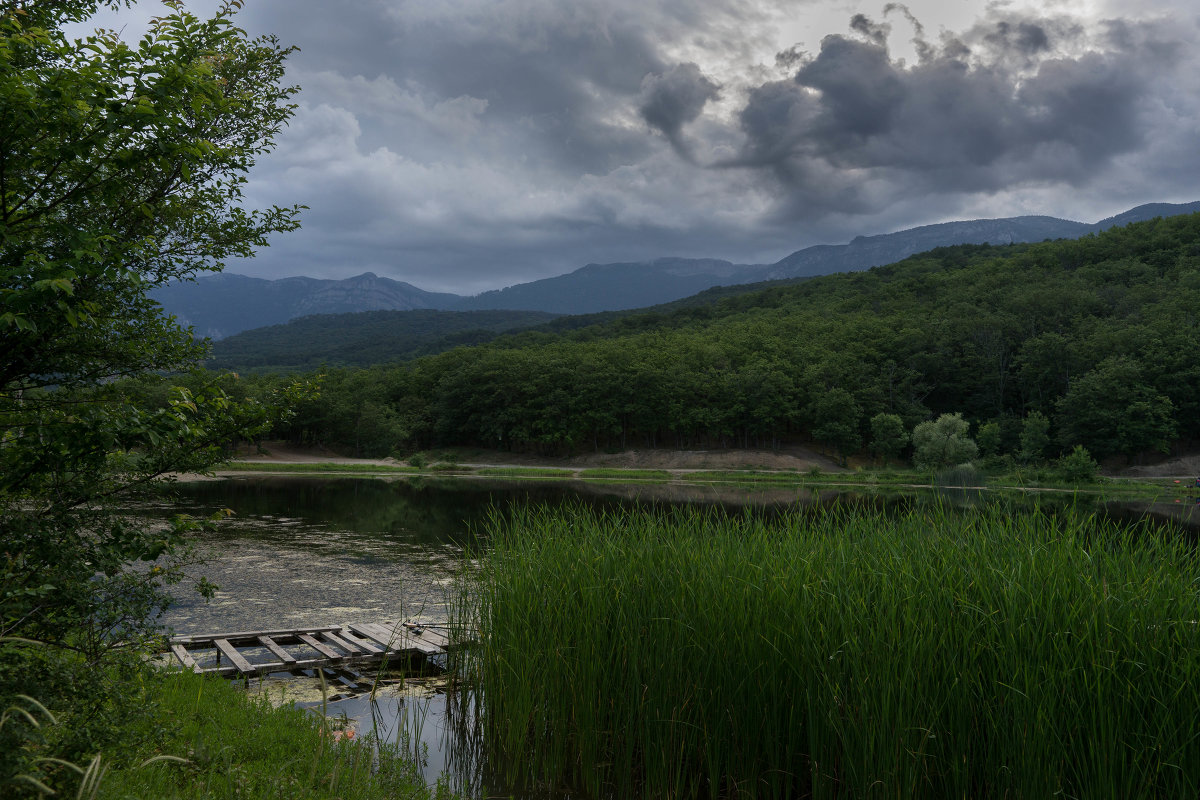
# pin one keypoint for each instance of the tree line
(1097, 336)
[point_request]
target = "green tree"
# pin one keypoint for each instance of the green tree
(943, 442)
(835, 416)
(123, 167)
(1078, 466)
(1112, 410)
(990, 438)
(888, 436)
(1035, 437)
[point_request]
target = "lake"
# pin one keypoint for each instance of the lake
(301, 551)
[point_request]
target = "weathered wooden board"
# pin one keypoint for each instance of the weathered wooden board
(184, 657)
(283, 655)
(327, 648)
(233, 655)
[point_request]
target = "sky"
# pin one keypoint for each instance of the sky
(467, 145)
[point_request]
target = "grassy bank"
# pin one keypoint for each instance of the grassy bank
(221, 742)
(849, 654)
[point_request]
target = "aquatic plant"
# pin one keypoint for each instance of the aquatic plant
(925, 652)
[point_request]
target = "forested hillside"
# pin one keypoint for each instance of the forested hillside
(364, 338)
(1097, 334)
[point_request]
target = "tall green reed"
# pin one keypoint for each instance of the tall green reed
(844, 653)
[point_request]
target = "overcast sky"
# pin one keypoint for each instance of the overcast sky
(464, 145)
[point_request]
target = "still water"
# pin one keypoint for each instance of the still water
(301, 551)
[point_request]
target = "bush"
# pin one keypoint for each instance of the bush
(1078, 466)
(943, 443)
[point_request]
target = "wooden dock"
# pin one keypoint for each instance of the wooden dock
(262, 652)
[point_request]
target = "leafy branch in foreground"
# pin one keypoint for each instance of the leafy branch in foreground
(122, 168)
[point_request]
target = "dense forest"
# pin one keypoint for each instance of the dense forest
(362, 339)
(1098, 335)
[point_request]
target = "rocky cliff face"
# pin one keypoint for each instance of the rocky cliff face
(366, 292)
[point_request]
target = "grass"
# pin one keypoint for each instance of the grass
(626, 474)
(790, 478)
(224, 743)
(526, 472)
(264, 466)
(926, 653)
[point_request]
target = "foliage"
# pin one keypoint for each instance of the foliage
(943, 442)
(994, 333)
(990, 438)
(123, 169)
(616, 648)
(888, 436)
(1114, 411)
(1078, 466)
(362, 339)
(279, 753)
(836, 415)
(1035, 437)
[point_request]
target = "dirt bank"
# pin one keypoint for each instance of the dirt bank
(1186, 466)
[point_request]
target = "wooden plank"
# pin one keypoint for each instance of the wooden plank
(191, 638)
(283, 655)
(323, 649)
(363, 644)
(386, 634)
(408, 639)
(343, 643)
(184, 657)
(321, 662)
(383, 638)
(233, 655)
(433, 637)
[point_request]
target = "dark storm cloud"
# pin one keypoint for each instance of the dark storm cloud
(471, 144)
(1013, 101)
(674, 98)
(877, 32)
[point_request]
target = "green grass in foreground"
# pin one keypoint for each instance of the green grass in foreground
(924, 654)
(238, 746)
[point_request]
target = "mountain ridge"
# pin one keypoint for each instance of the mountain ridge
(221, 305)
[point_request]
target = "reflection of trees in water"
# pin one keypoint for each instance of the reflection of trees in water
(453, 511)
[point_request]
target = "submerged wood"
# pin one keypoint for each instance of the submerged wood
(239, 653)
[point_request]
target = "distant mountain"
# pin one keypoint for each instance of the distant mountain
(864, 252)
(613, 287)
(222, 305)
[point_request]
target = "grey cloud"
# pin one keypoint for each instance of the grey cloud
(877, 32)
(1001, 106)
(469, 144)
(1025, 37)
(671, 99)
(860, 87)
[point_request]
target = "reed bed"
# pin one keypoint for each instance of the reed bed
(844, 653)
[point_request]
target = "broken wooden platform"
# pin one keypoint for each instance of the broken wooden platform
(262, 652)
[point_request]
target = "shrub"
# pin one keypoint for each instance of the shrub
(1078, 466)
